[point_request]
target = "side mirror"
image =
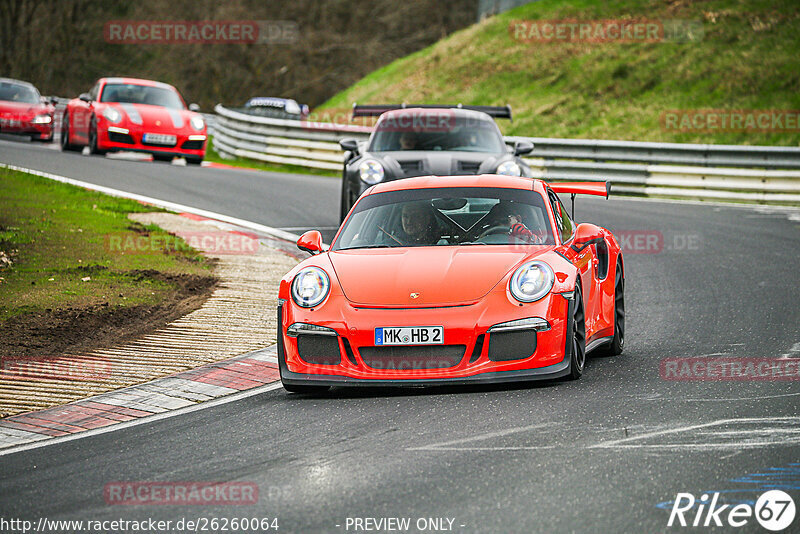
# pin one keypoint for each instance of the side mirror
(586, 234)
(310, 242)
(86, 97)
(194, 107)
(349, 144)
(523, 147)
(54, 100)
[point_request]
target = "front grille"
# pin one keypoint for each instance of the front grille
(468, 167)
(514, 345)
(319, 350)
(116, 137)
(413, 357)
(411, 168)
(192, 145)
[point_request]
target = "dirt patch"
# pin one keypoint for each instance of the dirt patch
(59, 331)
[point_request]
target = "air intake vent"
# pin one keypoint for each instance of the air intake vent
(468, 167)
(415, 357)
(411, 168)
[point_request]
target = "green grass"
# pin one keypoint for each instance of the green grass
(747, 59)
(214, 157)
(57, 234)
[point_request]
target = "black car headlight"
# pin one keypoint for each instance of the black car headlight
(310, 287)
(531, 281)
(509, 168)
(371, 171)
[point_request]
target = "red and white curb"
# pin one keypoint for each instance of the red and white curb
(189, 389)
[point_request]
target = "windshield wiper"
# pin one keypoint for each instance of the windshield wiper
(368, 246)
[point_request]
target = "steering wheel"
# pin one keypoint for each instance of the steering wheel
(492, 230)
(398, 241)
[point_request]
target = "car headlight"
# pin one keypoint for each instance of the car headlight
(112, 115)
(310, 287)
(198, 123)
(371, 171)
(531, 281)
(42, 119)
(509, 168)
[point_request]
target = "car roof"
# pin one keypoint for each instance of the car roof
(482, 180)
(136, 81)
(17, 82)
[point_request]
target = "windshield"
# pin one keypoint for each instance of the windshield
(141, 94)
(447, 217)
(14, 92)
(436, 131)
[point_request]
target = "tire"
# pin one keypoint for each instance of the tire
(618, 342)
(193, 161)
(307, 390)
(577, 333)
(93, 139)
(66, 146)
(163, 157)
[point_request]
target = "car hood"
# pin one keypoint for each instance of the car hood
(22, 108)
(441, 276)
(154, 118)
(405, 164)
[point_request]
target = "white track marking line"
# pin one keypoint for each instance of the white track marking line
(274, 232)
(446, 445)
(626, 442)
(144, 420)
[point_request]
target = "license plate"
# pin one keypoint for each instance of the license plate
(160, 139)
(409, 335)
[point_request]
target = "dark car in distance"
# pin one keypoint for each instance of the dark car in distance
(426, 140)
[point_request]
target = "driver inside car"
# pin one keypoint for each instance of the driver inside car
(506, 213)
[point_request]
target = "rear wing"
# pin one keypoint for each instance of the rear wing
(374, 110)
(601, 189)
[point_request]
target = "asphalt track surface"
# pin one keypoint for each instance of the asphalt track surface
(607, 453)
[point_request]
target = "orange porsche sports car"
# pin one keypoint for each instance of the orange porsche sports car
(455, 279)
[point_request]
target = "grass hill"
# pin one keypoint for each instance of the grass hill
(746, 59)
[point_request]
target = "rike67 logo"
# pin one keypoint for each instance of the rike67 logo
(774, 510)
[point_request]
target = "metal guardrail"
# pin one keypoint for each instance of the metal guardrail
(725, 172)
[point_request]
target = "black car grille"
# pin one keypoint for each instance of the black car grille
(414, 357)
(319, 350)
(411, 168)
(507, 346)
(192, 145)
(116, 137)
(468, 167)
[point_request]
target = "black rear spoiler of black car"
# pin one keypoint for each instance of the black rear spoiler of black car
(374, 110)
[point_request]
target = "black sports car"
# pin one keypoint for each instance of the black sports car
(428, 140)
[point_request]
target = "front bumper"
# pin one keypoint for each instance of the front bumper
(26, 127)
(352, 351)
(129, 139)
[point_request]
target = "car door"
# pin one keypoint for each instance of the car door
(82, 114)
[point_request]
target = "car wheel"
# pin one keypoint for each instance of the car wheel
(618, 342)
(577, 332)
(194, 161)
(66, 146)
(93, 139)
(163, 157)
(308, 390)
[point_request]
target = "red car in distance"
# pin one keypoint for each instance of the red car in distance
(23, 111)
(130, 114)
